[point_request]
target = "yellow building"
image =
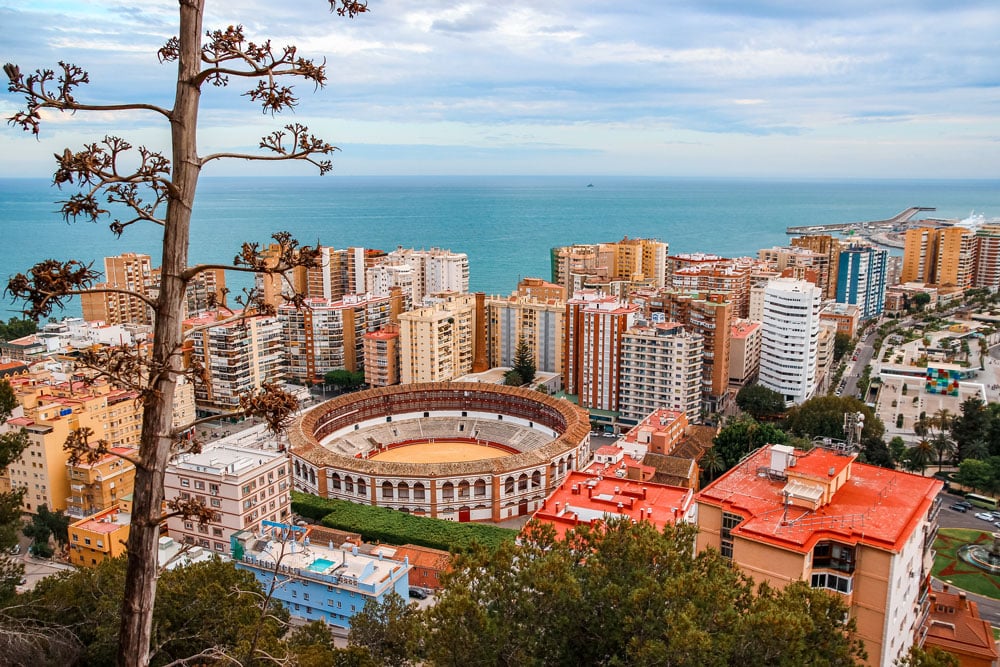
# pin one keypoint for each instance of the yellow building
(97, 538)
(944, 257)
(859, 531)
(50, 413)
(98, 486)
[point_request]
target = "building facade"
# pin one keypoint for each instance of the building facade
(861, 279)
(859, 531)
(381, 353)
(789, 338)
(744, 352)
(438, 343)
(594, 327)
(237, 357)
(660, 368)
(243, 486)
(539, 322)
(315, 581)
(99, 537)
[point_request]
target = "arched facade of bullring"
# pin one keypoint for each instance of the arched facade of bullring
(540, 440)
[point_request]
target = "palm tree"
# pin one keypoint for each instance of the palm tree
(942, 445)
(921, 454)
(712, 463)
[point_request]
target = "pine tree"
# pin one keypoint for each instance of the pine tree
(524, 361)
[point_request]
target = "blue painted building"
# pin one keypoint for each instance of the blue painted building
(318, 582)
(861, 279)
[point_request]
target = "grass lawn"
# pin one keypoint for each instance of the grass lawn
(949, 567)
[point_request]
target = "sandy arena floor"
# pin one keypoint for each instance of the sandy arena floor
(440, 451)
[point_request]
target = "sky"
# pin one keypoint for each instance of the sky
(673, 88)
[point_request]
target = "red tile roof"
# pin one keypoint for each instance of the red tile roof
(597, 497)
(954, 625)
(874, 506)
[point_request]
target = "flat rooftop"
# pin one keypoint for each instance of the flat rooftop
(874, 506)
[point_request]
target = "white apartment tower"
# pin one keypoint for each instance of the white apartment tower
(660, 368)
(789, 338)
(434, 271)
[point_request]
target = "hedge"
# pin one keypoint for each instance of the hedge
(393, 527)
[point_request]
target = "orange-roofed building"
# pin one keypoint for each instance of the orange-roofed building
(953, 625)
(426, 565)
(98, 486)
(102, 536)
(584, 498)
(857, 530)
(659, 432)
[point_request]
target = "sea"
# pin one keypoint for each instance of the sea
(506, 224)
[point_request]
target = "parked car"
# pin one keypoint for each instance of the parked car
(984, 516)
(960, 508)
(997, 524)
(418, 593)
(15, 550)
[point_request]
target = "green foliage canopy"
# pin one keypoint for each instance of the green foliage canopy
(758, 401)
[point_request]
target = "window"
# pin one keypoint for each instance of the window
(833, 556)
(216, 502)
(387, 490)
(185, 482)
(833, 582)
(188, 525)
(198, 484)
(305, 596)
(729, 521)
(86, 540)
(448, 491)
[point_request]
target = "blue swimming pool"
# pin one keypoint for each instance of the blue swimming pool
(320, 565)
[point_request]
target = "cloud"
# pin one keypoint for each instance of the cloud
(693, 73)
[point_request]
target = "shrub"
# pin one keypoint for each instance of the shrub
(393, 527)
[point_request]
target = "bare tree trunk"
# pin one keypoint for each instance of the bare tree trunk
(155, 443)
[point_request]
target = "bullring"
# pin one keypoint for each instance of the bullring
(534, 440)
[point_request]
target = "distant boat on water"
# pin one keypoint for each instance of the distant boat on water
(590, 185)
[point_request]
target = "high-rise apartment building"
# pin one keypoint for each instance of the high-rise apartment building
(539, 322)
(433, 271)
(438, 343)
(381, 352)
(829, 247)
(629, 263)
(128, 271)
(987, 271)
(939, 256)
(732, 276)
(790, 335)
(329, 335)
(660, 368)
(861, 279)
(594, 327)
(135, 273)
(860, 532)
(708, 314)
(243, 486)
(237, 357)
(744, 352)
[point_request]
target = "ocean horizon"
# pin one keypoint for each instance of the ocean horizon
(506, 224)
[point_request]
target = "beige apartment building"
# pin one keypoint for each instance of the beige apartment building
(629, 263)
(744, 352)
(441, 342)
(660, 369)
(237, 357)
(536, 320)
(829, 247)
(128, 271)
(987, 271)
(708, 314)
(243, 486)
(859, 531)
(329, 335)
